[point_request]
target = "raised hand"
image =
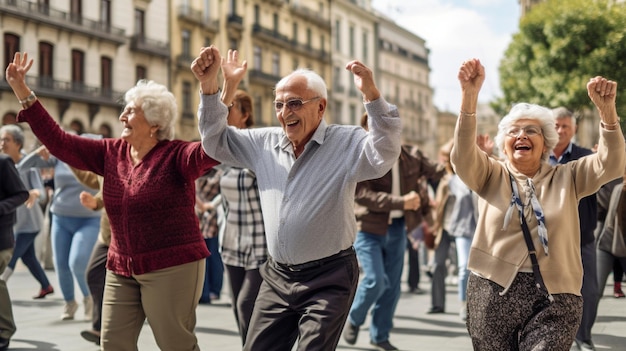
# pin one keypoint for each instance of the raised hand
(206, 66)
(471, 76)
(232, 69)
(363, 80)
(16, 74)
(602, 93)
(485, 143)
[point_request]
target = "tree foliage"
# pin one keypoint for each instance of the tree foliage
(559, 46)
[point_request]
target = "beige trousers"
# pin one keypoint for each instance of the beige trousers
(7, 324)
(167, 298)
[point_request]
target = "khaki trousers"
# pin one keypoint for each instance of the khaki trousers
(167, 298)
(7, 324)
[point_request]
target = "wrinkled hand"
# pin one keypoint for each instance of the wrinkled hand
(206, 66)
(602, 93)
(16, 70)
(232, 68)
(363, 80)
(485, 143)
(471, 76)
(88, 200)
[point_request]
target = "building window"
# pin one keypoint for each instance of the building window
(351, 40)
(186, 43)
(106, 73)
(207, 11)
(365, 46)
(11, 46)
(187, 104)
(105, 13)
(295, 64)
(257, 14)
(257, 58)
(323, 43)
(46, 51)
(140, 73)
(276, 22)
(78, 70)
(294, 31)
(354, 119)
(276, 64)
(233, 7)
(234, 43)
(76, 11)
(140, 23)
(338, 35)
(309, 38)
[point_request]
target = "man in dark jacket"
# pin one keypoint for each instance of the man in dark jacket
(385, 209)
(566, 151)
(12, 195)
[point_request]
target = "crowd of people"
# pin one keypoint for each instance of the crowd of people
(258, 205)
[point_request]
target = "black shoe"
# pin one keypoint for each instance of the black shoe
(434, 310)
(91, 336)
(416, 291)
(350, 333)
(4, 344)
(383, 346)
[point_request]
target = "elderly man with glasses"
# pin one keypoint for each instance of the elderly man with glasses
(307, 172)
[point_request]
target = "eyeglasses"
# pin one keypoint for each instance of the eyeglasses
(293, 104)
(530, 130)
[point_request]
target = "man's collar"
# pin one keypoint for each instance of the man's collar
(318, 136)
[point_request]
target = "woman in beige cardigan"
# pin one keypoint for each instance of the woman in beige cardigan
(509, 306)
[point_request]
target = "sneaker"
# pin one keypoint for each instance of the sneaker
(91, 336)
(44, 292)
(88, 303)
(350, 333)
(618, 293)
(585, 345)
(69, 310)
(383, 346)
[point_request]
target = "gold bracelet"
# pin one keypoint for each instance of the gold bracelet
(467, 114)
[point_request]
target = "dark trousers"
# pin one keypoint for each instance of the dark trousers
(214, 276)
(589, 291)
(25, 249)
(311, 304)
(95, 275)
(413, 275)
(244, 285)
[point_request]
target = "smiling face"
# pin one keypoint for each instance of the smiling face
(136, 127)
(301, 122)
(524, 144)
(566, 128)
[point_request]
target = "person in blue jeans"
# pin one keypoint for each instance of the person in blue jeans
(74, 231)
(386, 208)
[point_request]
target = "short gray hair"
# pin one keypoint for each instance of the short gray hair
(314, 81)
(563, 112)
(530, 111)
(158, 105)
(17, 133)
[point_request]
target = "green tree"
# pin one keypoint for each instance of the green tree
(559, 46)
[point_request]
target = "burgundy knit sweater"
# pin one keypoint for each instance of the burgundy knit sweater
(150, 205)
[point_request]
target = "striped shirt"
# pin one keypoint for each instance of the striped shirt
(308, 202)
(243, 244)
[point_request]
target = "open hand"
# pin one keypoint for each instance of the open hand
(363, 80)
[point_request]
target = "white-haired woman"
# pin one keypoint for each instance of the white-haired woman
(155, 266)
(514, 304)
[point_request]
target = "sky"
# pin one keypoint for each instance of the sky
(455, 30)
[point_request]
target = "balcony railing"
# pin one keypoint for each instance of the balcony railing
(195, 16)
(149, 46)
(271, 35)
(234, 21)
(64, 20)
(72, 91)
(261, 77)
(314, 16)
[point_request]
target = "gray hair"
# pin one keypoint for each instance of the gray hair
(562, 112)
(16, 133)
(530, 111)
(314, 81)
(158, 105)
